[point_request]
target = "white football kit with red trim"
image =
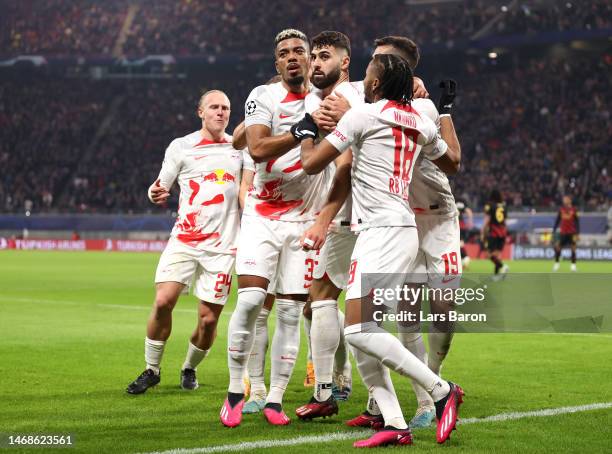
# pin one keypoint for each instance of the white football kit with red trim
(203, 241)
(386, 138)
(284, 202)
(438, 262)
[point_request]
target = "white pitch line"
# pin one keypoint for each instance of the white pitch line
(339, 436)
(103, 305)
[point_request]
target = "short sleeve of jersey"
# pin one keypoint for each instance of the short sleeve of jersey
(348, 131)
(171, 165)
(436, 148)
(247, 161)
(487, 210)
(258, 109)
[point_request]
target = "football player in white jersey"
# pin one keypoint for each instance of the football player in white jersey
(330, 59)
(256, 386)
(387, 136)
(283, 204)
(438, 229)
(202, 245)
(438, 262)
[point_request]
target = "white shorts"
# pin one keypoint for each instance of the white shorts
(210, 272)
(270, 249)
(381, 260)
(439, 259)
(334, 259)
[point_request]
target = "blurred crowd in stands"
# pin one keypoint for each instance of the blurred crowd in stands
(213, 27)
(536, 131)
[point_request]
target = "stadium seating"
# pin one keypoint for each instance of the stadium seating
(214, 27)
(537, 127)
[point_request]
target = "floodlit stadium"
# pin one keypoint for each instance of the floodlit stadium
(367, 223)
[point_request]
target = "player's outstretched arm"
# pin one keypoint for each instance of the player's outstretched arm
(314, 237)
(314, 157)
(339, 191)
(239, 137)
(263, 146)
(450, 162)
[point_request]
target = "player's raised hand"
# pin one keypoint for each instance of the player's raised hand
(447, 96)
(418, 88)
(335, 106)
(323, 121)
(314, 237)
(157, 193)
(305, 129)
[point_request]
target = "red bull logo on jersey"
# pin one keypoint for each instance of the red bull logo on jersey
(219, 176)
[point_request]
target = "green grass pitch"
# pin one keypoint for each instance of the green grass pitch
(73, 324)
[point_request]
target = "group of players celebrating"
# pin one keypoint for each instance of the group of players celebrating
(341, 186)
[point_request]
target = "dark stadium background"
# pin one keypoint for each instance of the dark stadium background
(91, 93)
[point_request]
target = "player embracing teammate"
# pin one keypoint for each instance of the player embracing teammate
(281, 207)
(386, 136)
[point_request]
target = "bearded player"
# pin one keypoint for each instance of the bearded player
(202, 244)
(282, 205)
(387, 137)
(437, 226)
(330, 59)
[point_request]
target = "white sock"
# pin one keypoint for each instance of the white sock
(240, 334)
(307, 327)
(324, 339)
(439, 345)
(342, 360)
(413, 341)
(372, 407)
(378, 380)
(257, 360)
(285, 346)
(385, 347)
(194, 357)
(154, 350)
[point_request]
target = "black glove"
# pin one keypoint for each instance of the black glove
(447, 96)
(305, 128)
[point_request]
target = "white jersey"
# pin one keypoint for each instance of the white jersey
(430, 191)
(386, 138)
(313, 102)
(208, 176)
(283, 191)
